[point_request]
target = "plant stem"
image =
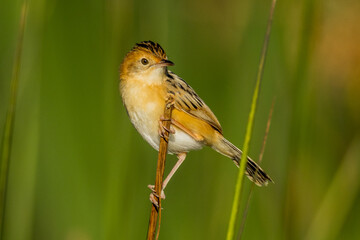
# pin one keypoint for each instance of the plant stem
(156, 211)
(242, 226)
(10, 117)
(239, 182)
(339, 199)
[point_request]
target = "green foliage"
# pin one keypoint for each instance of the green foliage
(8, 132)
(78, 168)
(249, 128)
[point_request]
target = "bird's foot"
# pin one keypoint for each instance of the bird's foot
(154, 196)
(163, 129)
(170, 101)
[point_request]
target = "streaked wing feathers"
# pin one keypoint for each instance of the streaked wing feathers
(188, 101)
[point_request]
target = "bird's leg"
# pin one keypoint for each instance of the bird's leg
(181, 157)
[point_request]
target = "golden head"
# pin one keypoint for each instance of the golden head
(144, 60)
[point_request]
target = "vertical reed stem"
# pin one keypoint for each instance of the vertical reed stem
(239, 182)
(242, 226)
(10, 117)
(156, 212)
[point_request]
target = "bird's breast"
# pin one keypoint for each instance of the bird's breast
(145, 105)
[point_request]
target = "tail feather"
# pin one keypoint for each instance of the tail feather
(253, 170)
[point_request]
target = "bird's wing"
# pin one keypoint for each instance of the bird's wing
(186, 100)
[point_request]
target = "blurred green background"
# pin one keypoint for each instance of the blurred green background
(79, 170)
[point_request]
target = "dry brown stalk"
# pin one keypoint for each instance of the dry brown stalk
(155, 214)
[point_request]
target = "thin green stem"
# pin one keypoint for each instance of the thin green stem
(333, 212)
(10, 117)
(239, 181)
(247, 206)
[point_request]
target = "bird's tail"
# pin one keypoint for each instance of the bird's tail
(253, 170)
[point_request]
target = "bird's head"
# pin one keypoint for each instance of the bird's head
(147, 60)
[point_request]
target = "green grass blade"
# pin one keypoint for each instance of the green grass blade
(239, 181)
(10, 116)
(247, 205)
(340, 197)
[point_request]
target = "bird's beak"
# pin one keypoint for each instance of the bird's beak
(165, 63)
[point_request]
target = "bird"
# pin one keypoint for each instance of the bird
(145, 85)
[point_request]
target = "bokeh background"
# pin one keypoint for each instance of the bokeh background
(79, 170)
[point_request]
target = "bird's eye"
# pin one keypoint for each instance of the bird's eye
(144, 61)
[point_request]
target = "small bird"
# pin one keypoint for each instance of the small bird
(146, 84)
